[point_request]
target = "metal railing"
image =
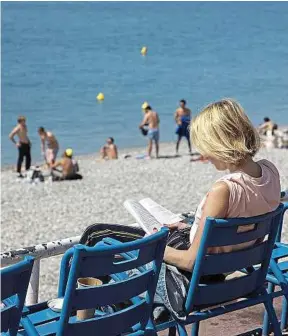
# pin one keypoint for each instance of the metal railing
(39, 252)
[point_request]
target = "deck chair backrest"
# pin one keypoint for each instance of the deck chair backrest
(103, 260)
(14, 285)
(227, 232)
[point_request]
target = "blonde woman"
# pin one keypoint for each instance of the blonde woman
(224, 135)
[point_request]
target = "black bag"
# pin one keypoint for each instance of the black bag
(37, 174)
(144, 130)
(96, 232)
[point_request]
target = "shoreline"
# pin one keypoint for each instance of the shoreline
(137, 150)
(131, 150)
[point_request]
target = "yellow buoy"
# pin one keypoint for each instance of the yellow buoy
(144, 105)
(144, 51)
(100, 96)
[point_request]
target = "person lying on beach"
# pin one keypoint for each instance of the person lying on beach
(68, 167)
(23, 145)
(182, 117)
(109, 151)
(251, 188)
(48, 139)
(151, 118)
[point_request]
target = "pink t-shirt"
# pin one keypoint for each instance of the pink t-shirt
(249, 196)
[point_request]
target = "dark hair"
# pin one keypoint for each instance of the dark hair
(112, 139)
(183, 101)
(266, 119)
(41, 129)
(149, 108)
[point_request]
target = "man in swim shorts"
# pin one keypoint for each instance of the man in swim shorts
(49, 139)
(152, 119)
(23, 144)
(182, 118)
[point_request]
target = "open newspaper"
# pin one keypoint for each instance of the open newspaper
(150, 215)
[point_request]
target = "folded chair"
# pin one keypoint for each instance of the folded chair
(210, 299)
(102, 261)
(14, 285)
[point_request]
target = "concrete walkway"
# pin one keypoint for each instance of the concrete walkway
(235, 323)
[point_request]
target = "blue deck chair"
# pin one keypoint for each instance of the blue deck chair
(278, 276)
(250, 287)
(14, 285)
(98, 261)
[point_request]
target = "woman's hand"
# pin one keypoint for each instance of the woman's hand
(176, 226)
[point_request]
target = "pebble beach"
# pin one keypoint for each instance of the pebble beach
(33, 214)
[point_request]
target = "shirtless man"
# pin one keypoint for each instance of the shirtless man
(182, 117)
(152, 119)
(49, 139)
(23, 145)
(109, 151)
(267, 128)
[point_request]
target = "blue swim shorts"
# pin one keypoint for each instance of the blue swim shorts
(153, 134)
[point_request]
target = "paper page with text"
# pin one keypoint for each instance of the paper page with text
(142, 216)
(162, 215)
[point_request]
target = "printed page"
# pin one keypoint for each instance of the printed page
(163, 215)
(142, 216)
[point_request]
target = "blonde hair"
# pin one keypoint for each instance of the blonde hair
(21, 118)
(222, 130)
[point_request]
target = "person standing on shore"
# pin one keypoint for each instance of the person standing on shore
(23, 145)
(49, 139)
(267, 127)
(151, 119)
(182, 117)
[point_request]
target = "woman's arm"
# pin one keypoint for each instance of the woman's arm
(216, 206)
(57, 164)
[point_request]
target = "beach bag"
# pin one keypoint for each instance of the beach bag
(94, 233)
(144, 131)
(35, 174)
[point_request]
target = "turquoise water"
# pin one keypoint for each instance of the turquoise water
(57, 56)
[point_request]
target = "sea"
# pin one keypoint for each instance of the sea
(57, 56)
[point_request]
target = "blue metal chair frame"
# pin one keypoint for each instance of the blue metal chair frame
(101, 260)
(278, 276)
(14, 285)
(250, 287)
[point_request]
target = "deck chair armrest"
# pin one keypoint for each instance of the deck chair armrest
(126, 255)
(28, 326)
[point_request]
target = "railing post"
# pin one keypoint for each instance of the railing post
(33, 288)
